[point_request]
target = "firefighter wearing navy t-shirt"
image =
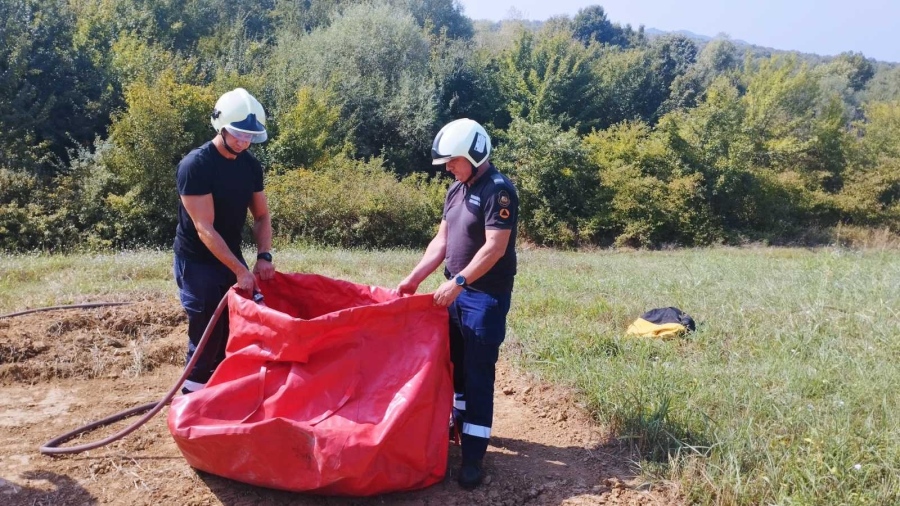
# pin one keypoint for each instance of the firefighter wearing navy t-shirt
(218, 182)
(476, 241)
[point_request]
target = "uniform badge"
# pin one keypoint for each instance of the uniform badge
(504, 213)
(503, 198)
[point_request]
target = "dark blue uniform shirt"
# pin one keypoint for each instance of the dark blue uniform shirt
(491, 203)
(232, 184)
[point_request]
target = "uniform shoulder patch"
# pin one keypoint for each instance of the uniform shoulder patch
(503, 198)
(504, 213)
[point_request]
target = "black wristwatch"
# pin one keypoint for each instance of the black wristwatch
(265, 256)
(460, 280)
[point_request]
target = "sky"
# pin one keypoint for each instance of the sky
(825, 27)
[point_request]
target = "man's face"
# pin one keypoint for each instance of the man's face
(460, 168)
(238, 142)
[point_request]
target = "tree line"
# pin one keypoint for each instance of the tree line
(611, 136)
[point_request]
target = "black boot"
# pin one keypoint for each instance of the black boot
(470, 475)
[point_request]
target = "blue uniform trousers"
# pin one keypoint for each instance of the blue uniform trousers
(201, 286)
(477, 329)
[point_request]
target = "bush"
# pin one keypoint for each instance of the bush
(349, 203)
(34, 215)
(163, 122)
(558, 191)
(307, 132)
(651, 201)
(871, 194)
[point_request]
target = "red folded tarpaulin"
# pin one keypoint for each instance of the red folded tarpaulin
(329, 387)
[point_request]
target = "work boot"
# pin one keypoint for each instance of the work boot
(470, 475)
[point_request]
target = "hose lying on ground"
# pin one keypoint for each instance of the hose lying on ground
(52, 447)
(73, 306)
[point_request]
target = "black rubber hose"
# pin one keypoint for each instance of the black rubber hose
(51, 447)
(73, 306)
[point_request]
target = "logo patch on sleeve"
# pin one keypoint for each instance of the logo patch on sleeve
(504, 213)
(503, 198)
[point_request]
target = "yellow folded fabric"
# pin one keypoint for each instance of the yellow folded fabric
(643, 328)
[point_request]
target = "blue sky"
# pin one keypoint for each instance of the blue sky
(825, 27)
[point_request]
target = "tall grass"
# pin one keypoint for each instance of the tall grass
(786, 394)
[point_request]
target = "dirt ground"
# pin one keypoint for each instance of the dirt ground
(63, 369)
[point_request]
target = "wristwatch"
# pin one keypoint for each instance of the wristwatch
(460, 280)
(265, 256)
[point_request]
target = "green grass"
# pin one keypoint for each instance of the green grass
(786, 394)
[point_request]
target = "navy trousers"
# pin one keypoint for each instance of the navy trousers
(201, 286)
(477, 329)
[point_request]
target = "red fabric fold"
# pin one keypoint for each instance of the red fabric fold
(329, 387)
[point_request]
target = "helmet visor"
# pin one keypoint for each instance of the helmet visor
(239, 135)
(249, 125)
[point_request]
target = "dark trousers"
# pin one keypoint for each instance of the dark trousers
(201, 287)
(477, 329)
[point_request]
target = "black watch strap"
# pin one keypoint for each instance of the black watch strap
(265, 256)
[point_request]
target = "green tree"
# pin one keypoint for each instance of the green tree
(557, 188)
(871, 193)
(717, 58)
(884, 85)
(649, 198)
(467, 84)
(858, 69)
(626, 86)
(711, 141)
(49, 93)
(173, 24)
(163, 121)
(439, 16)
(540, 76)
(760, 174)
(308, 133)
(592, 25)
(780, 101)
(671, 57)
(435, 16)
(373, 60)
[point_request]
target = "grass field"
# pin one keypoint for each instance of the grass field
(786, 394)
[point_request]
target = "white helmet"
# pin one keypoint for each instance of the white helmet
(463, 137)
(237, 110)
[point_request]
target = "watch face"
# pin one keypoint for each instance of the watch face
(460, 281)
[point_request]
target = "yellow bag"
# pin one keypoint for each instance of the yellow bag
(662, 322)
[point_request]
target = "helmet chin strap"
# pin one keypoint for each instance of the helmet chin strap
(474, 173)
(225, 142)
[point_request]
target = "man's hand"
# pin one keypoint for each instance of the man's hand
(447, 293)
(246, 281)
(265, 270)
(407, 286)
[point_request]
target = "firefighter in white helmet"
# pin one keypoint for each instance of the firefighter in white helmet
(476, 241)
(217, 184)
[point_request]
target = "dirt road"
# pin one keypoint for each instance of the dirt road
(60, 370)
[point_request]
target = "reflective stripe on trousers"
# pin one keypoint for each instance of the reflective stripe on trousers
(477, 329)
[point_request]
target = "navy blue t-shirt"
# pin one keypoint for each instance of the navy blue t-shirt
(490, 203)
(232, 184)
